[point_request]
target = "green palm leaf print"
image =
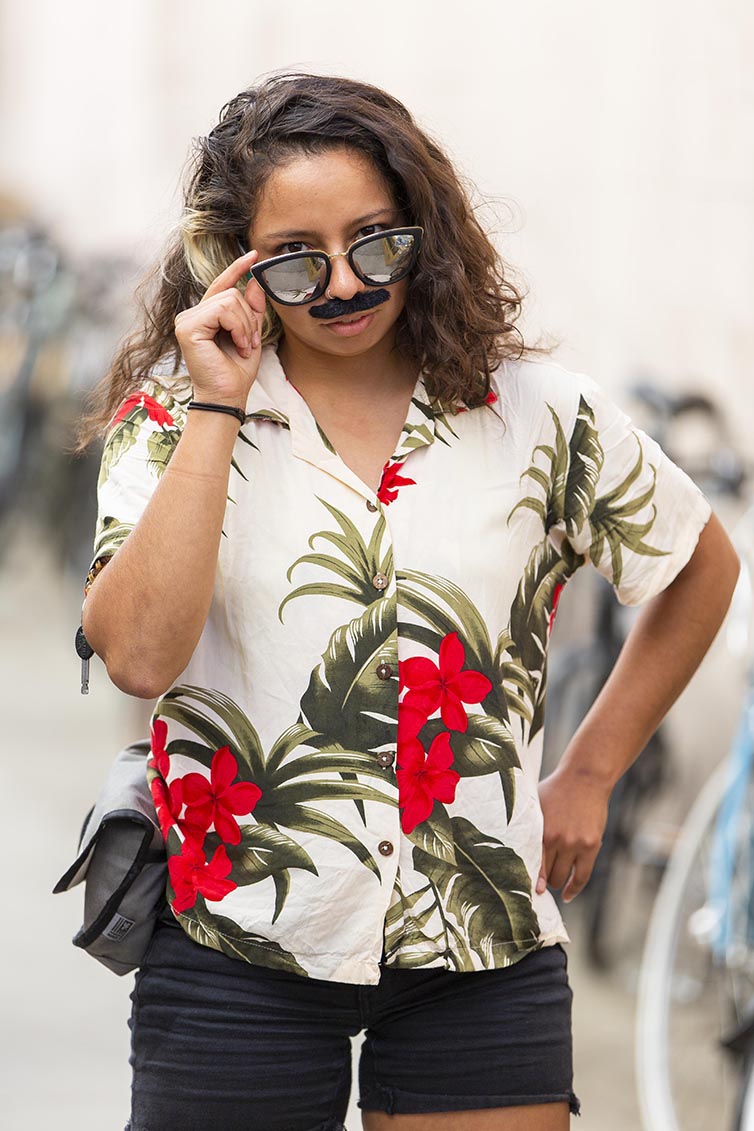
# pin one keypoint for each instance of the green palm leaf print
(289, 783)
(111, 534)
(487, 890)
(585, 465)
(435, 835)
(161, 445)
(462, 615)
(233, 730)
(123, 437)
(221, 933)
(264, 850)
(454, 612)
(610, 525)
(569, 482)
(356, 563)
(404, 927)
(487, 746)
(344, 696)
(522, 648)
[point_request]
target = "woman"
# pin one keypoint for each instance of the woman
(338, 504)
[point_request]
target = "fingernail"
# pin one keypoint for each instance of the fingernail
(256, 340)
(541, 885)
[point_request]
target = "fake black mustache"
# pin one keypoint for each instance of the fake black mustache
(341, 308)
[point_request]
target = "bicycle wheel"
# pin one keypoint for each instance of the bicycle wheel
(745, 1113)
(687, 998)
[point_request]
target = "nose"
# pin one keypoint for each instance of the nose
(344, 284)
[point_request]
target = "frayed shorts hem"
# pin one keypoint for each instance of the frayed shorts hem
(394, 1101)
(328, 1125)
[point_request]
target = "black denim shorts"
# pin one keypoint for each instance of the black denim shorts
(221, 1045)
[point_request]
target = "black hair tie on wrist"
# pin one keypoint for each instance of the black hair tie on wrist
(239, 413)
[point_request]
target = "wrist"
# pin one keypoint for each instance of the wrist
(214, 427)
(220, 408)
(587, 770)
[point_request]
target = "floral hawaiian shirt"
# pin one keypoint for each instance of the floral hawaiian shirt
(346, 773)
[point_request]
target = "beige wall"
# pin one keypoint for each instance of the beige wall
(623, 133)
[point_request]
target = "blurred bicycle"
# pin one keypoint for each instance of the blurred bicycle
(695, 1014)
(634, 852)
(59, 321)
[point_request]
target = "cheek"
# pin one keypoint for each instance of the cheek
(398, 297)
(292, 318)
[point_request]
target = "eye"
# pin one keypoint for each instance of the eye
(371, 229)
(291, 247)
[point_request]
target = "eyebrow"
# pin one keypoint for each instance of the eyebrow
(270, 237)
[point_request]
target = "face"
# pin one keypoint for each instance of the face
(324, 203)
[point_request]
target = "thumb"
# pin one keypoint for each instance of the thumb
(542, 878)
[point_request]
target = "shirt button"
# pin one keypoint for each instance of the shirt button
(384, 671)
(385, 847)
(380, 581)
(386, 757)
(371, 506)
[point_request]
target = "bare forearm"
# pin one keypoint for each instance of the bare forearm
(146, 610)
(662, 652)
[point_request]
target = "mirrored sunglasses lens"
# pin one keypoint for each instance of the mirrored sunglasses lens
(386, 260)
(296, 280)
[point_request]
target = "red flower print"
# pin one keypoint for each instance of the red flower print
(424, 779)
(491, 398)
(156, 412)
(217, 800)
(168, 801)
(555, 601)
(192, 875)
(410, 722)
(160, 758)
(446, 686)
(391, 481)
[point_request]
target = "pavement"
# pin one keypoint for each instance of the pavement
(64, 1040)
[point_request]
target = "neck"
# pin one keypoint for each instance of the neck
(351, 378)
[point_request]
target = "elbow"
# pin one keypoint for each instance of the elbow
(135, 675)
(128, 668)
(137, 681)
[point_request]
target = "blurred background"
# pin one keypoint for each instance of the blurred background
(612, 152)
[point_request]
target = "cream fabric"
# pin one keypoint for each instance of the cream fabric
(347, 629)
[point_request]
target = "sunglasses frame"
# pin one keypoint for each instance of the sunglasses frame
(258, 269)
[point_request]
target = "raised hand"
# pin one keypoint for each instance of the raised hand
(220, 337)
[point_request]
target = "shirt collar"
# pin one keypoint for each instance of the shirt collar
(272, 397)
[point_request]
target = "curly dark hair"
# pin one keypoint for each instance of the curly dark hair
(461, 307)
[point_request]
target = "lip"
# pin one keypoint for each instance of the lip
(350, 329)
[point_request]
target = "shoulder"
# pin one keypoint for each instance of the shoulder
(159, 402)
(532, 391)
(536, 380)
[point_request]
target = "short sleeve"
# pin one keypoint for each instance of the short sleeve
(141, 439)
(625, 506)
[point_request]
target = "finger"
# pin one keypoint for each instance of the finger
(560, 870)
(255, 297)
(231, 275)
(542, 877)
(582, 870)
(235, 319)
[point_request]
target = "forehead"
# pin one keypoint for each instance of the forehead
(321, 192)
